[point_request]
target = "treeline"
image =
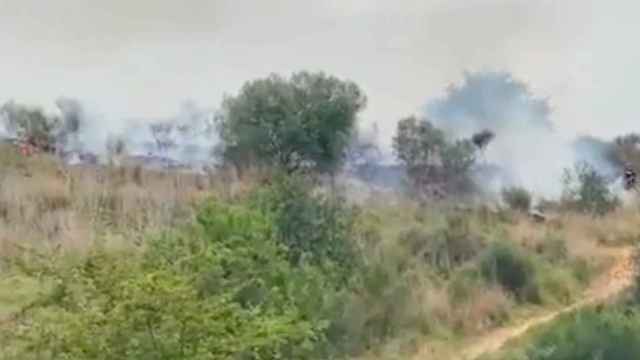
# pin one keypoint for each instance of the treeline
(310, 122)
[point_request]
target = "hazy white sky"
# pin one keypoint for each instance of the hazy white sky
(145, 57)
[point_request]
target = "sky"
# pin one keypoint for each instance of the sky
(144, 58)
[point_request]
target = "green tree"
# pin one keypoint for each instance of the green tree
(586, 190)
(30, 123)
(306, 120)
(431, 158)
(418, 143)
(219, 288)
(627, 150)
(611, 333)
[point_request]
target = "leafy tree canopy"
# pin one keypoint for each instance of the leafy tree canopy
(306, 120)
(430, 157)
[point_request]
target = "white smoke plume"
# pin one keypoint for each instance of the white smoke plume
(187, 138)
(526, 150)
(83, 134)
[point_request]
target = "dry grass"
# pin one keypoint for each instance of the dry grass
(485, 306)
(485, 309)
(45, 204)
(585, 235)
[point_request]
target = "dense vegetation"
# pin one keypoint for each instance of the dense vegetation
(119, 262)
(304, 121)
(239, 280)
(612, 334)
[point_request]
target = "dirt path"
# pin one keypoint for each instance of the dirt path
(618, 278)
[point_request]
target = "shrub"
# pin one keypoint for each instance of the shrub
(613, 334)
(220, 288)
(30, 124)
(463, 242)
(386, 303)
(517, 198)
(314, 227)
(433, 162)
(557, 285)
(587, 191)
(445, 248)
(476, 305)
(508, 266)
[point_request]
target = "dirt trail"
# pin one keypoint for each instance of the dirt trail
(619, 277)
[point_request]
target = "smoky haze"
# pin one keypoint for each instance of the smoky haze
(134, 62)
(526, 149)
(187, 138)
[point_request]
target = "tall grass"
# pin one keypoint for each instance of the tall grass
(44, 203)
(425, 271)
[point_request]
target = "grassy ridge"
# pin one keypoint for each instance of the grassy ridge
(291, 275)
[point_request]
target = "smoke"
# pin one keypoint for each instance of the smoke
(526, 151)
(83, 134)
(184, 139)
(187, 138)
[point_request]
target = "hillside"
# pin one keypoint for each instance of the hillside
(427, 280)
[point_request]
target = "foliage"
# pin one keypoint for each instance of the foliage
(447, 247)
(430, 158)
(315, 228)
(458, 157)
(385, 304)
(612, 334)
(45, 131)
(417, 142)
(626, 150)
(483, 138)
(306, 120)
(517, 198)
(587, 191)
(29, 123)
(508, 266)
(221, 288)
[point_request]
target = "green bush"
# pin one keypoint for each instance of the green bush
(557, 285)
(388, 303)
(221, 288)
(314, 227)
(612, 334)
(517, 198)
(508, 266)
(463, 241)
(587, 191)
(444, 248)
